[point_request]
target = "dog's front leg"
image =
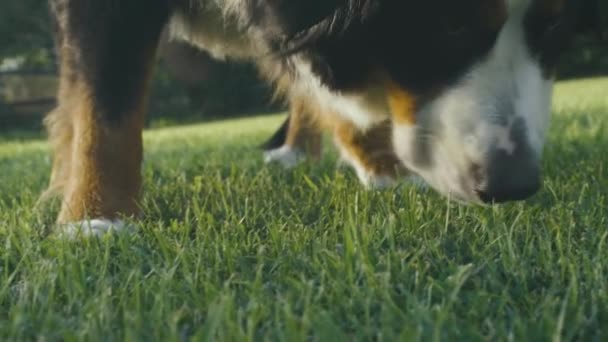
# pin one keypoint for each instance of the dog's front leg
(107, 51)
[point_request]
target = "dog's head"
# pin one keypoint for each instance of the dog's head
(468, 83)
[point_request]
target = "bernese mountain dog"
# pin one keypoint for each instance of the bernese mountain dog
(455, 92)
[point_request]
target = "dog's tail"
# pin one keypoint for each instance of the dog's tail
(278, 138)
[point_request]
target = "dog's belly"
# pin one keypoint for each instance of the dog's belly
(217, 26)
(212, 26)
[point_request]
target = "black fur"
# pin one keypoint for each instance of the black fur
(278, 138)
(358, 38)
(111, 44)
(347, 42)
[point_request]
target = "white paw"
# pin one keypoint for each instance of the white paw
(89, 228)
(285, 155)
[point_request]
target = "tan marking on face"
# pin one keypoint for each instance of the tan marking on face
(402, 104)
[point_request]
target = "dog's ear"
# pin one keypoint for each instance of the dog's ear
(297, 24)
(589, 20)
(281, 19)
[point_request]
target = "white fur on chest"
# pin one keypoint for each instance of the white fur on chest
(365, 109)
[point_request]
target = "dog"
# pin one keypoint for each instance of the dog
(303, 128)
(458, 91)
(369, 152)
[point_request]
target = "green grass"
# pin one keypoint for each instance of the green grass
(230, 249)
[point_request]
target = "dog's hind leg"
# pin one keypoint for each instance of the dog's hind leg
(369, 152)
(299, 137)
(107, 51)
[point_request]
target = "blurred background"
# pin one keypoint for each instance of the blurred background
(189, 86)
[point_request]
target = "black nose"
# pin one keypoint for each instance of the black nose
(499, 194)
(508, 177)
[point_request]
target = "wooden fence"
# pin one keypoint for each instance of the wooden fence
(26, 95)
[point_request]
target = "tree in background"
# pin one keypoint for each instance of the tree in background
(218, 88)
(190, 84)
(25, 31)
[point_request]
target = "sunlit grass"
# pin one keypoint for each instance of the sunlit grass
(230, 249)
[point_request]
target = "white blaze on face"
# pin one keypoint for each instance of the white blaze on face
(475, 118)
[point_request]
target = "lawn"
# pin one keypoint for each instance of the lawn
(229, 249)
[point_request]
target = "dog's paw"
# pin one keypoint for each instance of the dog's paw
(92, 228)
(286, 156)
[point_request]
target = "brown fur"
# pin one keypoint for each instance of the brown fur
(105, 179)
(304, 133)
(371, 149)
(107, 56)
(96, 167)
(61, 132)
(402, 104)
